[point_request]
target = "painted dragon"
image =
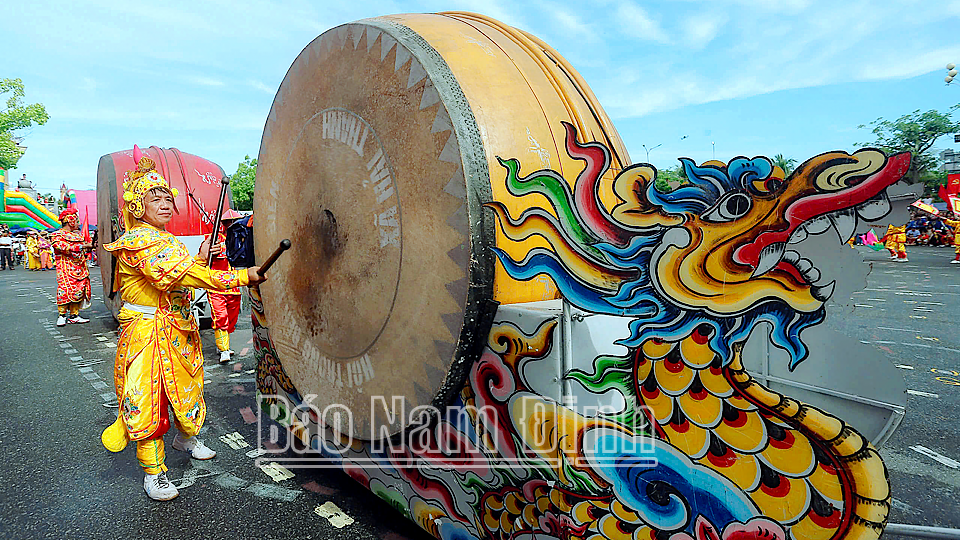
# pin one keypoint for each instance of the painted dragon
(701, 450)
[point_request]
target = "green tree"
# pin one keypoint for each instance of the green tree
(14, 117)
(242, 182)
(785, 163)
(932, 180)
(916, 133)
(670, 178)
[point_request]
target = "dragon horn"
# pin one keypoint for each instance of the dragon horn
(137, 154)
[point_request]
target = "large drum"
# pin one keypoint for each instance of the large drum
(186, 172)
(379, 151)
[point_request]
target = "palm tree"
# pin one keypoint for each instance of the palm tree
(787, 164)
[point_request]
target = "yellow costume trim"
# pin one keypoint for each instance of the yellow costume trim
(115, 438)
(140, 181)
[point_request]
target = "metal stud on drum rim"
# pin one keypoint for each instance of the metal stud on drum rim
(364, 165)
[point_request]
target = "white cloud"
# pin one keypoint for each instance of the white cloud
(205, 81)
(262, 87)
(701, 29)
(634, 21)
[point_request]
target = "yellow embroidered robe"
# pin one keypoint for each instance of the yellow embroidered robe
(33, 254)
(161, 352)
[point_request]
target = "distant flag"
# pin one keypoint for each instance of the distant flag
(926, 207)
(953, 202)
(870, 239)
(86, 226)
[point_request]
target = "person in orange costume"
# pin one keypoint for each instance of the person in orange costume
(159, 363)
(73, 276)
(224, 305)
(46, 251)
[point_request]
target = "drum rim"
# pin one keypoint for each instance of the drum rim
(479, 307)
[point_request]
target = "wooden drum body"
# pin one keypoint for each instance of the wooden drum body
(185, 172)
(380, 149)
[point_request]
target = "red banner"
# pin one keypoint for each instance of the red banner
(953, 183)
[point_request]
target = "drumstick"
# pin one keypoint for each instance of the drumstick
(284, 245)
(216, 224)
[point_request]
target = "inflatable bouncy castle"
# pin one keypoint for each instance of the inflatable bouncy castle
(20, 209)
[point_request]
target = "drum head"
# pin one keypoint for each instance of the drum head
(371, 164)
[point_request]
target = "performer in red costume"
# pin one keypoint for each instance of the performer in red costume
(224, 305)
(73, 276)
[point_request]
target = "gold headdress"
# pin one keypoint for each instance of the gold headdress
(139, 182)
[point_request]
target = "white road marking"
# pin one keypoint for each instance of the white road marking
(904, 366)
(276, 471)
(924, 394)
(332, 513)
(953, 464)
(862, 305)
(256, 452)
(917, 345)
(877, 299)
(234, 440)
(949, 349)
(886, 342)
(933, 303)
(898, 329)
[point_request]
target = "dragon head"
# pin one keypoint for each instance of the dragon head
(742, 223)
(722, 250)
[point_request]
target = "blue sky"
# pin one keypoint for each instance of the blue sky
(756, 77)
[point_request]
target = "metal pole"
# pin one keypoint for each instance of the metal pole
(920, 531)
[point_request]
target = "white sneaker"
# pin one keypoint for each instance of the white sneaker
(903, 260)
(159, 488)
(194, 446)
(224, 356)
(61, 321)
(954, 262)
(76, 319)
(893, 257)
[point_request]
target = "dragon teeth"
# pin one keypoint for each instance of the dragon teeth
(824, 292)
(818, 225)
(798, 235)
(770, 256)
(875, 208)
(845, 222)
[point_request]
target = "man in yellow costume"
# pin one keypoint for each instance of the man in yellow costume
(159, 358)
(896, 242)
(33, 253)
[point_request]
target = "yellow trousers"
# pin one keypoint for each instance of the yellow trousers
(222, 337)
(151, 455)
(73, 308)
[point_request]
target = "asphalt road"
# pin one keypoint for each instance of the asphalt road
(910, 313)
(58, 481)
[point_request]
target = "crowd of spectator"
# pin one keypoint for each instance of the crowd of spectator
(930, 230)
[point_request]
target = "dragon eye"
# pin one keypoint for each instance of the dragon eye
(729, 208)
